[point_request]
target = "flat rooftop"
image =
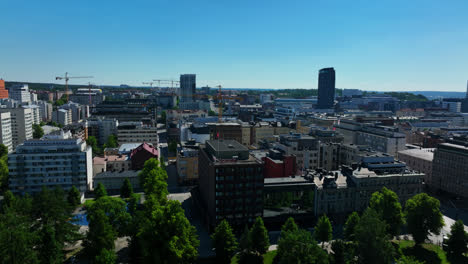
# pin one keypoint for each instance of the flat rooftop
(226, 145)
(425, 153)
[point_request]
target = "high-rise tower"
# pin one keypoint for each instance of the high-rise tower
(187, 87)
(326, 88)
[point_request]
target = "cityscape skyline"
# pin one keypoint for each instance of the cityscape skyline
(396, 46)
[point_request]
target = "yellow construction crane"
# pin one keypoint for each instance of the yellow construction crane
(66, 78)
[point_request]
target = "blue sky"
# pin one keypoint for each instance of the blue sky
(373, 45)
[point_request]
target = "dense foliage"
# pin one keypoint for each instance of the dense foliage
(38, 132)
(224, 242)
(386, 204)
(423, 216)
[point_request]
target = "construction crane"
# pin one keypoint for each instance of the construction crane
(166, 81)
(66, 78)
(150, 84)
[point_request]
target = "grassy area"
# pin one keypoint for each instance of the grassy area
(428, 253)
(267, 258)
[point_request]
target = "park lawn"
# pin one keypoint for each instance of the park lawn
(267, 257)
(429, 253)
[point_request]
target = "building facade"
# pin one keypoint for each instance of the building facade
(419, 160)
(6, 137)
(52, 161)
(326, 88)
(20, 93)
(231, 185)
(21, 124)
(187, 87)
(450, 169)
(136, 132)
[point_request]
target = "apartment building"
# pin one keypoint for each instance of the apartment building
(187, 163)
(53, 160)
(45, 110)
(305, 148)
(21, 124)
(62, 116)
(20, 93)
(136, 132)
(102, 128)
(6, 137)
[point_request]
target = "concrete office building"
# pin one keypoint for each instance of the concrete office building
(419, 159)
(102, 128)
(231, 185)
(305, 148)
(136, 132)
(21, 124)
(54, 160)
(78, 112)
(5, 131)
(20, 93)
(83, 95)
(326, 88)
(450, 169)
(187, 87)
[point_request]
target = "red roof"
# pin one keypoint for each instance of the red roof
(145, 146)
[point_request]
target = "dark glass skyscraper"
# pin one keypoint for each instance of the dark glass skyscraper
(326, 88)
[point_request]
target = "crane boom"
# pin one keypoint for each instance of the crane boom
(66, 78)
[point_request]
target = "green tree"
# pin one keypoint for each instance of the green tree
(298, 246)
(258, 236)
(244, 242)
(423, 216)
(162, 163)
(350, 226)
(50, 250)
(373, 245)
(112, 141)
(51, 209)
(164, 235)
(17, 239)
(101, 235)
(38, 132)
(458, 239)
(126, 190)
(100, 191)
(116, 212)
(289, 226)
(3, 175)
(224, 242)
(3, 150)
(91, 141)
(211, 113)
(386, 204)
(74, 196)
(172, 146)
(323, 229)
(163, 117)
(154, 180)
(105, 257)
(342, 252)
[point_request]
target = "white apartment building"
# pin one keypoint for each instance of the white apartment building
(5, 131)
(36, 113)
(54, 160)
(62, 116)
(21, 124)
(135, 132)
(78, 111)
(20, 93)
(45, 110)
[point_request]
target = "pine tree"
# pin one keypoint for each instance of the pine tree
(126, 190)
(224, 242)
(350, 226)
(258, 236)
(323, 230)
(100, 191)
(74, 196)
(458, 239)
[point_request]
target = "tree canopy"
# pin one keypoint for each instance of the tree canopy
(323, 229)
(350, 226)
(386, 204)
(258, 237)
(423, 216)
(373, 244)
(73, 196)
(100, 191)
(126, 190)
(458, 239)
(224, 242)
(38, 132)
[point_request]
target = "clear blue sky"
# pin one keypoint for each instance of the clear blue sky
(399, 45)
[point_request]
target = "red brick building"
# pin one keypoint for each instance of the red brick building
(277, 167)
(3, 91)
(141, 154)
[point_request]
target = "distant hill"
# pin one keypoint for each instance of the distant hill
(434, 95)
